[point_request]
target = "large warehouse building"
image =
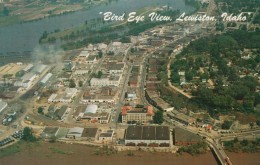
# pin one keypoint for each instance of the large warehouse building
(152, 136)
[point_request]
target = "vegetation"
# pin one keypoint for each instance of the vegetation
(15, 148)
(72, 83)
(226, 124)
(158, 117)
(242, 146)
(130, 153)
(198, 148)
(59, 151)
(105, 150)
(218, 58)
(40, 110)
(28, 135)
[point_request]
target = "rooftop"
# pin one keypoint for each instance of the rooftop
(91, 109)
(89, 132)
(147, 133)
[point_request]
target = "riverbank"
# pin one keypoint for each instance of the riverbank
(60, 153)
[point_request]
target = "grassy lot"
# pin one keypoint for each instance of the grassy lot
(15, 148)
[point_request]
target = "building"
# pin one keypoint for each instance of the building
(75, 133)
(39, 68)
(89, 134)
(46, 78)
(68, 65)
(49, 132)
(92, 115)
(26, 81)
(108, 81)
(115, 68)
(183, 137)
(82, 133)
(91, 59)
(103, 95)
(153, 136)
(65, 97)
(135, 114)
(3, 105)
(106, 136)
(84, 53)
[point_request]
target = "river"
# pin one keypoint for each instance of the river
(25, 37)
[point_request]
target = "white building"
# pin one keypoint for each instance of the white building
(108, 81)
(75, 133)
(46, 78)
(65, 97)
(84, 53)
(26, 81)
(106, 136)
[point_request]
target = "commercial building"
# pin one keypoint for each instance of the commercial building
(26, 81)
(102, 95)
(92, 115)
(107, 81)
(115, 68)
(183, 137)
(106, 136)
(46, 78)
(75, 133)
(82, 133)
(153, 136)
(141, 115)
(65, 97)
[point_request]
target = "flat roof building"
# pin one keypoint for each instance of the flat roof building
(153, 136)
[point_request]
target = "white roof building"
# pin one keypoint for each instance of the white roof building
(75, 132)
(91, 109)
(39, 68)
(46, 78)
(84, 53)
(28, 67)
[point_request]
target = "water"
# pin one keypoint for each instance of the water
(25, 37)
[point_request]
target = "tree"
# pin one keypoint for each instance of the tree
(258, 122)
(226, 124)
(27, 135)
(72, 84)
(99, 74)
(100, 54)
(40, 110)
(251, 125)
(158, 117)
(6, 11)
(80, 83)
(188, 76)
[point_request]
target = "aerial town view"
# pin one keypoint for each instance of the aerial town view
(113, 82)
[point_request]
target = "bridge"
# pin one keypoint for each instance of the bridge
(219, 152)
